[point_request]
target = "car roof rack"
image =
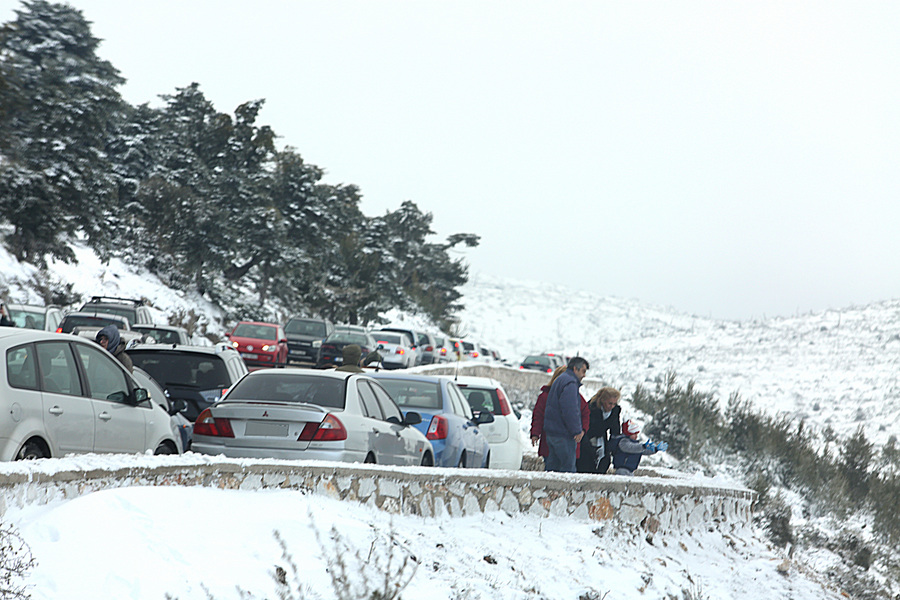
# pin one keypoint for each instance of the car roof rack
(100, 299)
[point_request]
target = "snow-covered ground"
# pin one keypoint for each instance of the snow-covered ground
(837, 367)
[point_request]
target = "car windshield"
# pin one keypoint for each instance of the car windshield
(257, 332)
(27, 318)
(196, 370)
(543, 361)
(388, 338)
(73, 321)
(414, 394)
(160, 336)
(290, 387)
(344, 337)
(305, 327)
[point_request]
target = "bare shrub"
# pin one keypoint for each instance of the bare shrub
(16, 562)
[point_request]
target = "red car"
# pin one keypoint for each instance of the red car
(260, 344)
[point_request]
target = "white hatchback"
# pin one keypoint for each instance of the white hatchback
(63, 394)
(504, 435)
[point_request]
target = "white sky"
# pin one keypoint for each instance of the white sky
(728, 159)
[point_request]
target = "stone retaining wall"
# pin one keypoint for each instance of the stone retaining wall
(656, 504)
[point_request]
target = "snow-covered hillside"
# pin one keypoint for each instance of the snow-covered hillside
(835, 368)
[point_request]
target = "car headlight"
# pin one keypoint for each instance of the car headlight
(317, 344)
(269, 348)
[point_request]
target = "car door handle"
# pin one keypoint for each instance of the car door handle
(104, 416)
(55, 410)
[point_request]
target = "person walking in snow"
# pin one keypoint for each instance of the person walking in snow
(627, 451)
(605, 411)
(109, 338)
(562, 417)
(537, 417)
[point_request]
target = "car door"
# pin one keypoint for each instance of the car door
(473, 441)
(409, 447)
(386, 439)
(68, 414)
(119, 425)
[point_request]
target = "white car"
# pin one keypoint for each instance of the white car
(397, 351)
(504, 435)
(64, 394)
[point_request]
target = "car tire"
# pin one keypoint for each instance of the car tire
(165, 448)
(370, 459)
(32, 450)
(462, 461)
(428, 460)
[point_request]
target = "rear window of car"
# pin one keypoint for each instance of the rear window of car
(418, 394)
(183, 369)
(481, 399)
(71, 322)
(388, 338)
(305, 327)
(113, 309)
(288, 387)
(257, 332)
(544, 361)
(348, 338)
(160, 336)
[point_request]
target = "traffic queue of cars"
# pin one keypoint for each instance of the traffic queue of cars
(66, 394)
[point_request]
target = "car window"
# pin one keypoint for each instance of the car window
(113, 309)
(258, 332)
(321, 391)
(482, 399)
(160, 336)
(420, 394)
(197, 370)
(389, 338)
(21, 370)
(456, 401)
(59, 373)
(390, 409)
(27, 318)
(344, 337)
(104, 377)
(537, 360)
(370, 404)
(73, 321)
(304, 327)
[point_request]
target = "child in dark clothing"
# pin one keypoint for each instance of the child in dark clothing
(627, 451)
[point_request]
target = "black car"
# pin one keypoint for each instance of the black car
(304, 336)
(130, 308)
(538, 362)
(331, 352)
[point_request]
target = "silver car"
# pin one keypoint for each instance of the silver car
(63, 394)
(302, 414)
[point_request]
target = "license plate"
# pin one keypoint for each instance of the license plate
(267, 428)
(250, 356)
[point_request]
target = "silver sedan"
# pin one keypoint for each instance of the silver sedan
(302, 414)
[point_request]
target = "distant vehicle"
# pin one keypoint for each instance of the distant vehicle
(197, 375)
(68, 395)
(164, 334)
(331, 352)
(538, 362)
(87, 325)
(427, 345)
(504, 434)
(304, 336)
(447, 419)
(414, 338)
(396, 349)
(260, 344)
(132, 309)
(443, 349)
(304, 414)
(31, 316)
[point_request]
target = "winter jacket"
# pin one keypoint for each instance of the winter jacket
(351, 354)
(627, 453)
(116, 346)
(562, 414)
(595, 452)
(537, 420)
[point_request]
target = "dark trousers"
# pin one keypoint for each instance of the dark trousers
(561, 456)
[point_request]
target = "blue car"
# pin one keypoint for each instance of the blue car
(447, 418)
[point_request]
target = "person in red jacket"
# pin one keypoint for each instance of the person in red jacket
(537, 417)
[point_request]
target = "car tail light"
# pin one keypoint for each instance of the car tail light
(59, 330)
(438, 428)
(504, 403)
(521, 367)
(399, 351)
(206, 424)
(329, 430)
(429, 348)
(443, 352)
(549, 370)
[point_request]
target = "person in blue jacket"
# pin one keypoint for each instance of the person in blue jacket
(562, 417)
(627, 451)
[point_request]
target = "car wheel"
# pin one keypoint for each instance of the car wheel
(462, 461)
(370, 459)
(428, 460)
(32, 450)
(165, 448)
(487, 461)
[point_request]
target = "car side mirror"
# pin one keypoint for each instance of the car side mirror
(412, 418)
(228, 335)
(177, 406)
(140, 395)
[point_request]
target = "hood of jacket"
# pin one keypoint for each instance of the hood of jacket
(112, 333)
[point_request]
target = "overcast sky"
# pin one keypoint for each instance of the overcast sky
(729, 159)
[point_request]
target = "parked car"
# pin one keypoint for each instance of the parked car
(331, 352)
(538, 362)
(469, 350)
(197, 375)
(31, 316)
(447, 419)
(304, 336)
(63, 394)
(414, 338)
(132, 309)
(260, 344)
(427, 345)
(396, 349)
(87, 325)
(323, 415)
(163, 334)
(443, 349)
(173, 408)
(504, 434)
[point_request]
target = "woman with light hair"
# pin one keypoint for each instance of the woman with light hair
(605, 414)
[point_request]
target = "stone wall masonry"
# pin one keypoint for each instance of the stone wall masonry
(653, 503)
